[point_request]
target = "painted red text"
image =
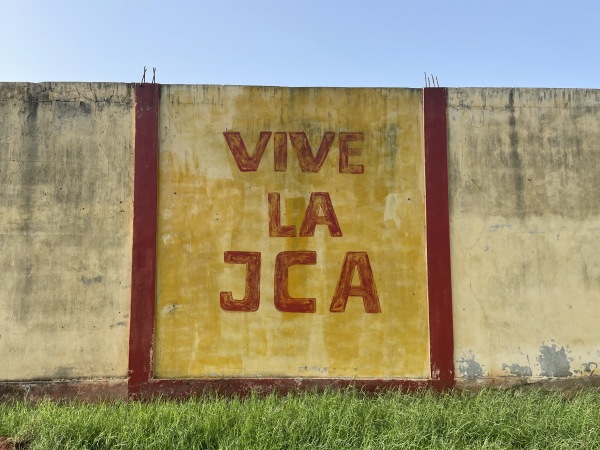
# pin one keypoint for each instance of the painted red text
(251, 298)
(319, 202)
(309, 161)
(353, 261)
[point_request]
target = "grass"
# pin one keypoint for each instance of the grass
(515, 419)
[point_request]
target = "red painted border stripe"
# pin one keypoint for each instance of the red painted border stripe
(143, 271)
(441, 334)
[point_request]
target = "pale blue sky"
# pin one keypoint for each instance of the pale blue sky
(304, 43)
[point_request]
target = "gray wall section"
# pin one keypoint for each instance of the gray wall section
(525, 231)
(66, 177)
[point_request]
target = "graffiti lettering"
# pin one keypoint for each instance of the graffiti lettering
(346, 151)
(318, 201)
(251, 299)
(275, 228)
(309, 162)
(282, 299)
(244, 161)
(366, 289)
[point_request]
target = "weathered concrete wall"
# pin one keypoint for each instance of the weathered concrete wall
(525, 223)
(66, 174)
(525, 230)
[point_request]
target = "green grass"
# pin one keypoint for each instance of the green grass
(332, 420)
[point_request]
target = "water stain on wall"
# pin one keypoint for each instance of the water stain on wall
(63, 372)
(88, 281)
(515, 162)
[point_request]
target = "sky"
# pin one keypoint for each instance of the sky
(369, 43)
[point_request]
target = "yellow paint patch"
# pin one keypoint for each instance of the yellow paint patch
(207, 207)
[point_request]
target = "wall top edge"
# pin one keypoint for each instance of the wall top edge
(58, 84)
(292, 88)
(124, 93)
(511, 98)
(67, 92)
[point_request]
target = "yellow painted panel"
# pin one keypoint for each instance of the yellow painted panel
(208, 206)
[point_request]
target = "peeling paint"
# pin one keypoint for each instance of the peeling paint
(469, 368)
(314, 369)
(170, 309)
(518, 370)
(589, 368)
(554, 361)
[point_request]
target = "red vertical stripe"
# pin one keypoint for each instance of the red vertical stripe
(143, 273)
(438, 238)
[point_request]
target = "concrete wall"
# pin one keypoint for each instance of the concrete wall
(525, 229)
(524, 217)
(66, 175)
